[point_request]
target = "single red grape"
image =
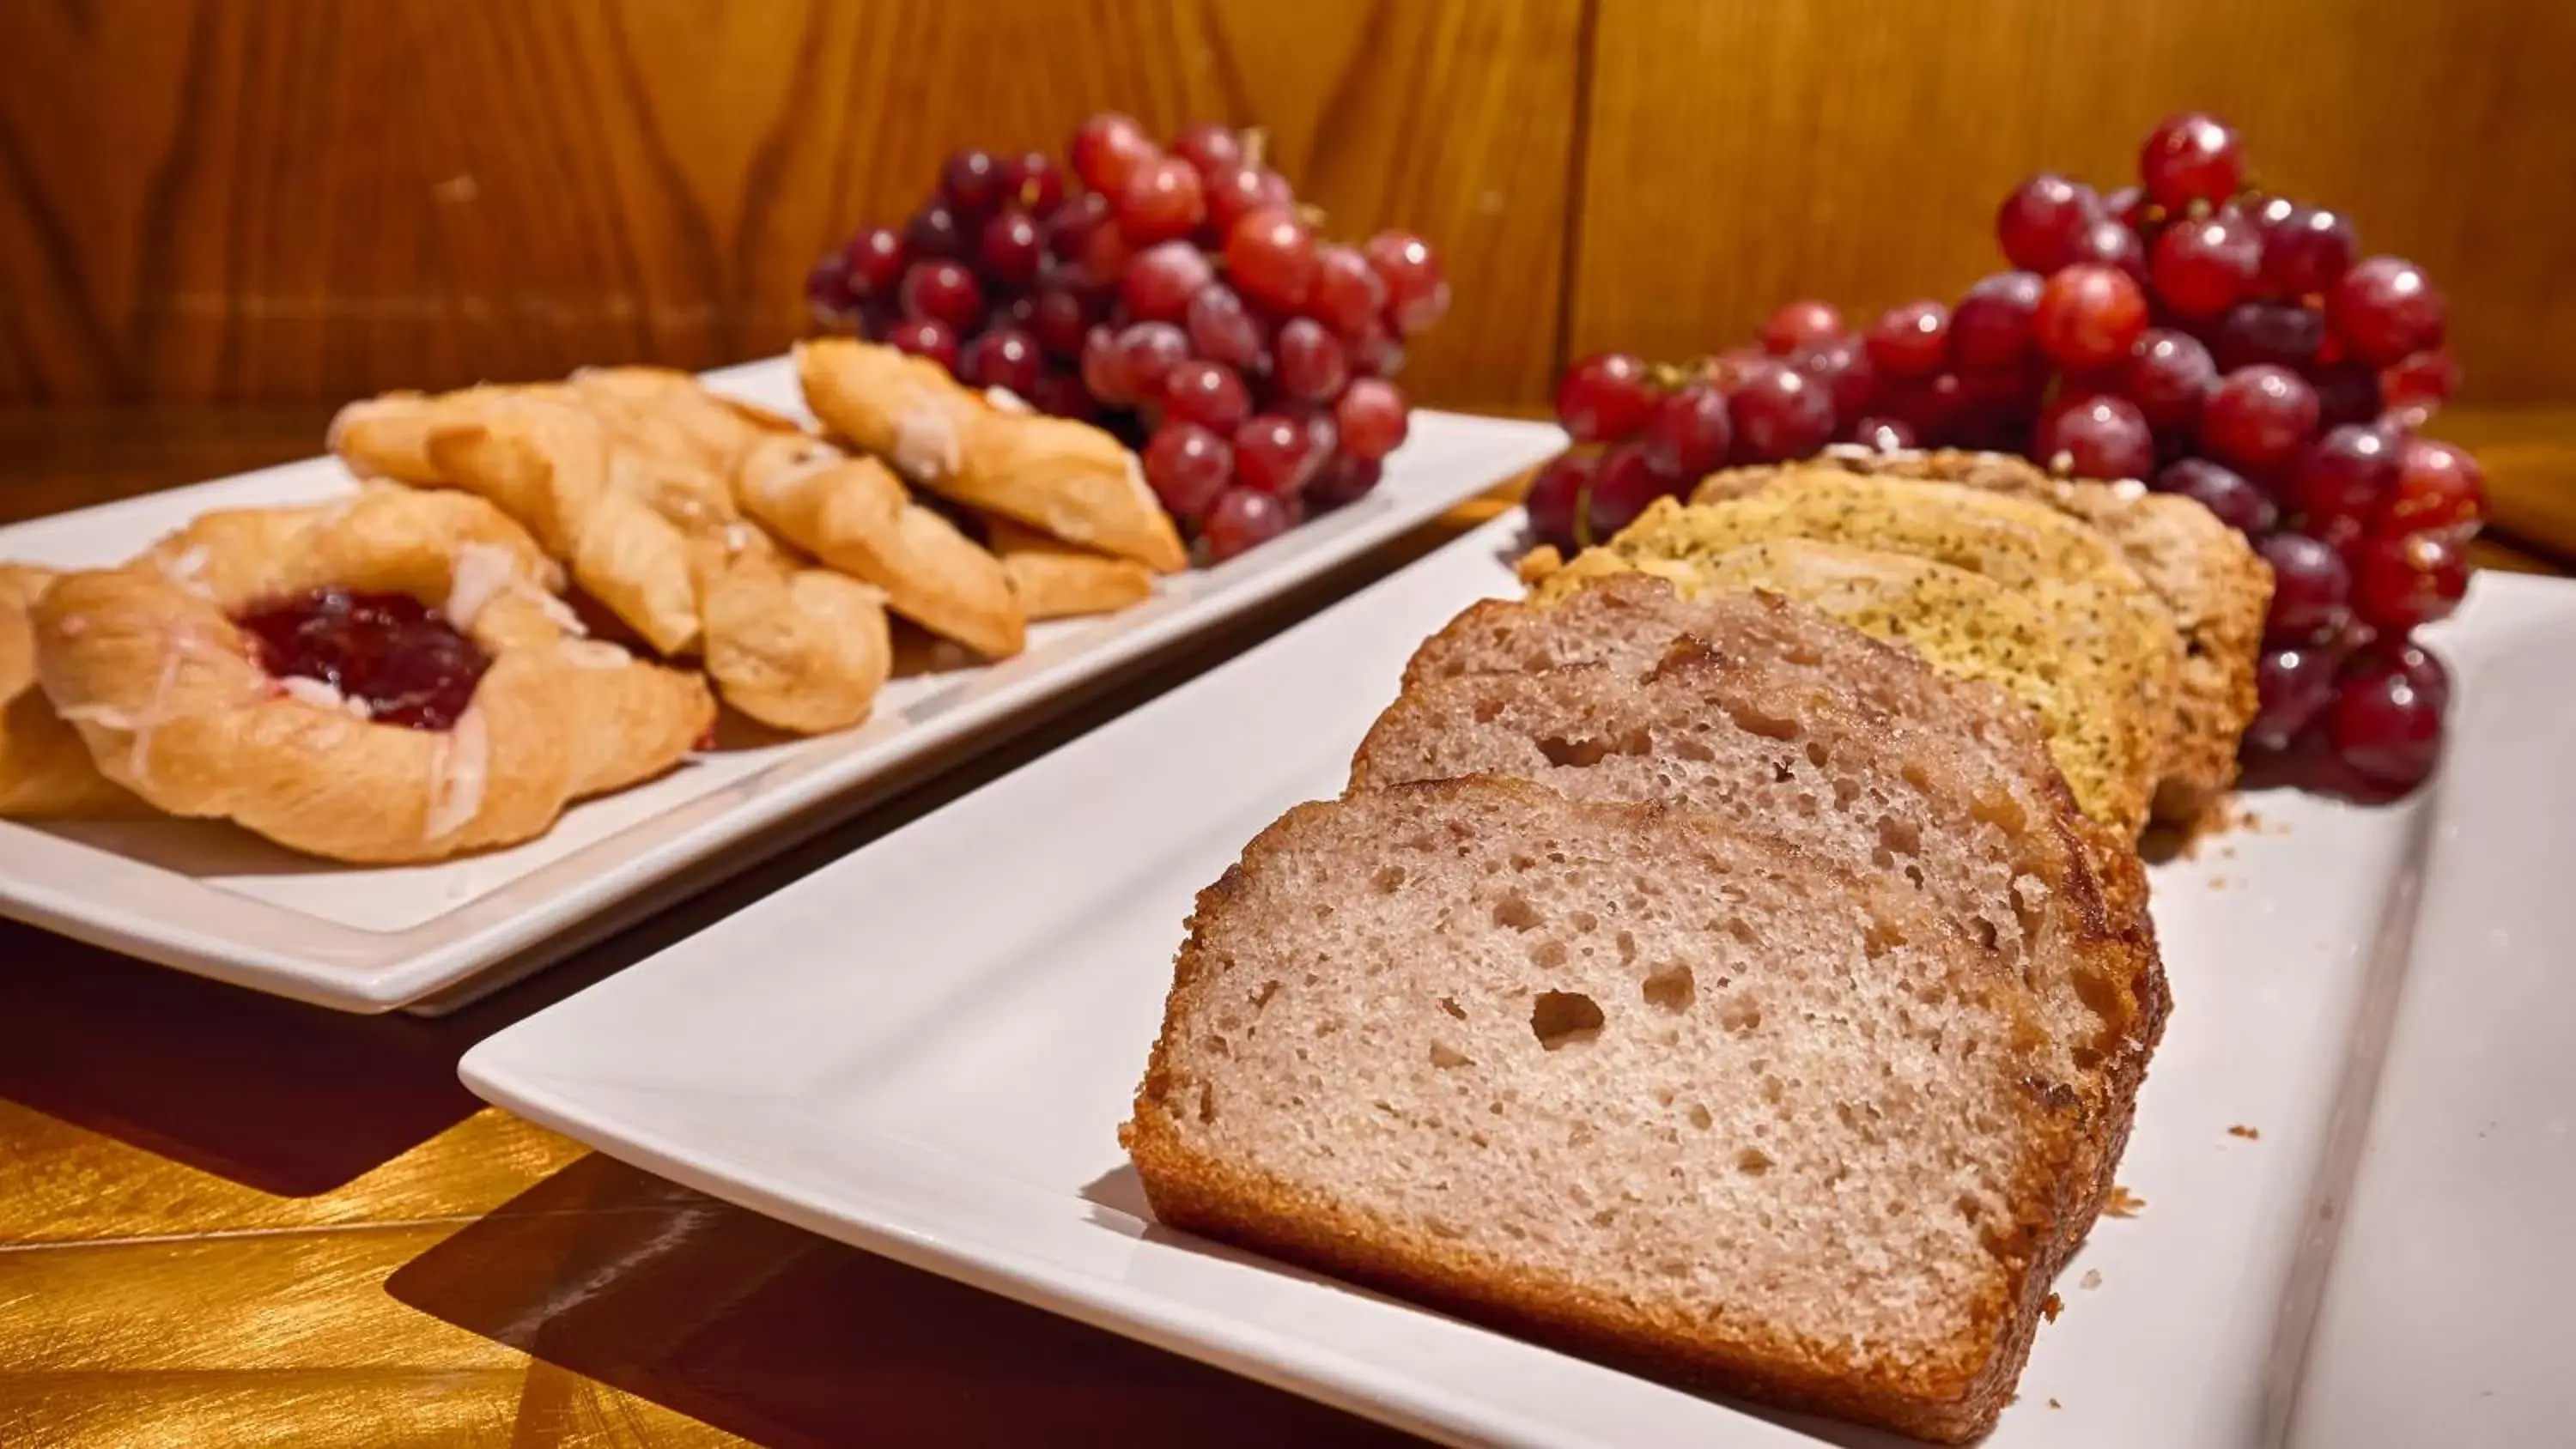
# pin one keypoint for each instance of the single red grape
(1222, 330)
(971, 180)
(925, 337)
(1106, 251)
(2416, 386)
(934, 231)
(1009, 248)
(1910, 341)
(828, 294)
(1558, 499)
(2348, 473)
(1209, 394)
(1779, 413)
(2109, 243)
(2403, 580)
(1376, 352)
(1313, 364)
(1159, 283)
(1067, 233)
(1886, 435)
(1798, 323)
(1104, 369)
(1208, 146)
(2311, 589)
(1059, 316)
(2384, 309)
(1732, 365)
(2088, 316)
(1003, 357)
(1417, 293)
(2191, 157)
(877, 260)
(2291, 688)
(1690, 431)
(1236, 191)
(2096, 437)
(2168, 375)
(2440, 490)
(943, 291)
(1149, 351)
(1604, 397)
(1161, 200)
(1272, 453)
(2038, 222)
(1243, 519)
(1842, 365)
(2201, 267)
(2384, 724)
(1372, 418)
(1344, 481)
(1188, 467)
(2347, 392)
(1270, 257)
(1348, 295)
(1990, 329)
(2281, 333)
(2223, 491)
(2256, 417)
(1623, 485)
(1031, 182)
(1323, 441)
(1107, 150)
(2421, 666)
(2306, 251)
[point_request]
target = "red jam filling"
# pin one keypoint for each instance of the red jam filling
(396, 653)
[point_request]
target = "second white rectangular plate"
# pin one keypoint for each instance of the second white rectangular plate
(925, 1048)
(207, 898)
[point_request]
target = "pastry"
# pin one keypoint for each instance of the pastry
(45, 770)
(1067, 478)
(384, 679)
(853, 514)
(1054, 579)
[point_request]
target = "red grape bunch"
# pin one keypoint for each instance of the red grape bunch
(1178, 295)
(2228, 345)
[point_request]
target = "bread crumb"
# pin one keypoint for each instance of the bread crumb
(2241, 1130)
(2091, 1280)
(2122, 1203)
(2218, 882)
(2055, 1404)
(2052, 1305)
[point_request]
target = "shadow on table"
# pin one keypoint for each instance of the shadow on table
(787, 1338)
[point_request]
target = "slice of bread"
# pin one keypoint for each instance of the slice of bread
(1765, 713)
(1965, 624)
(2216, 586)
(1640, 1081)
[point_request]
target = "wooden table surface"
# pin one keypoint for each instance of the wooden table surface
(227, 1219)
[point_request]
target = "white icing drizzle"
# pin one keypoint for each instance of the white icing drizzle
(188, 571)
(1005, 400)
(322, 694)
(458, 770)
(593, 654)
(561, 613)
(738, 536)
(138, 760)
(482, 572)
(926, 444)
(810, 459)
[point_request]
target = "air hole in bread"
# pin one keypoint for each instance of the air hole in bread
(1207, 1104)
(1754, 722)
(1442, 1056)
(1388, 879)
(1670, 988)
(1742, 1015)
(1753, 1162)
(1816, 753)
(1693, 749)
(1261, 997)
(1488, 710)
(1516, 912)
(1548, 955)
(1902, 836)
(1699, 1117)
(2100, 997)
(1564, 1018)
(1450, 1005)
(1584, 921)
(1627, 942)
(1987, 936)
(1583, 754)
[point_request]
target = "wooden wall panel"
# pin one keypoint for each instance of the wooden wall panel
(1742, 154)
(296, 200)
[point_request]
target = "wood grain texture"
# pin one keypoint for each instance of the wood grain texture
(1741, 155)
(278, 200)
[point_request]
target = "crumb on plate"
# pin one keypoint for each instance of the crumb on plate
(2122, 1203)
(2248, 1133)
(2092, 1279)
(2052, 1305)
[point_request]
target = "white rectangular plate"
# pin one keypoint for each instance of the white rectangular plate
(208, 898)
(925, 1049)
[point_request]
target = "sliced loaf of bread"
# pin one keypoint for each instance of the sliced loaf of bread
(2216, 586)
(1646, 1082)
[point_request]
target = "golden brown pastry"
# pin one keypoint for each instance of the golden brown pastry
(45, 770)
(674, 413)
(383, 679)
(1068, 478)
(1054, 579)
(854, 514)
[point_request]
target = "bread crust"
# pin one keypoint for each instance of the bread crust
(171, 701)
(1062, 477)
(45, 770)
(1950, 1400)
(2218, 588)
